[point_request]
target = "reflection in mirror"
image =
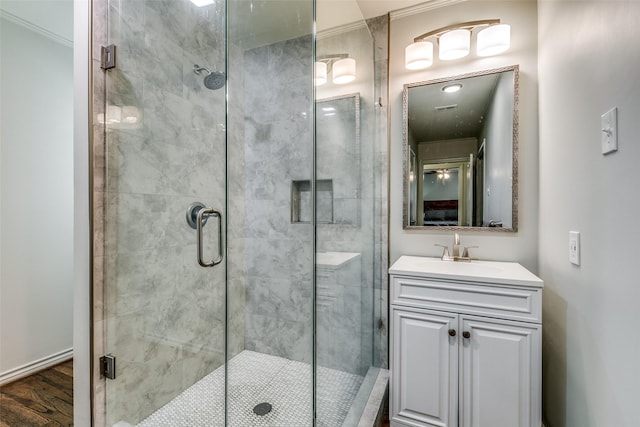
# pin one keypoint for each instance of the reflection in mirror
(460, 141)
(338, 159)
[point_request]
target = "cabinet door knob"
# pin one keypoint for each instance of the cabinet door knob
(452, 332)
(466, 334)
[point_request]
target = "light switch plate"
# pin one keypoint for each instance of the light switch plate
(609, 131)
(574, 247)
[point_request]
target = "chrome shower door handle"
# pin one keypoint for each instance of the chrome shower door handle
(202, 213)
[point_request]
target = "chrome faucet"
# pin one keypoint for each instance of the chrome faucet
(455, 252)
(456, 246)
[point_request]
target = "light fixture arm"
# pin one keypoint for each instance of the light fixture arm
(330, 59)
(333, 57)
(465, 25)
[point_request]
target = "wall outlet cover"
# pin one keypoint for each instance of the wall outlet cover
(574, 247)
(609, 131)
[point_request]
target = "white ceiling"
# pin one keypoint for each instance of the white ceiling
(335, 13)
(465, 120)
(261, 22)
(285, 18)
(52, 16)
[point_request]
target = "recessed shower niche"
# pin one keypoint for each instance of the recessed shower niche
(301, 202)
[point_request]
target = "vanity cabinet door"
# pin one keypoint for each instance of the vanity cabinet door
(500, 372)
(424, 368)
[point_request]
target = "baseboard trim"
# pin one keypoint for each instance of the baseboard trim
(33, 367)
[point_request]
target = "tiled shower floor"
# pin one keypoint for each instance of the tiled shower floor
(255, 378)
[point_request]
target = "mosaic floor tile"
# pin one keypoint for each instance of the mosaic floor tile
(256, 378)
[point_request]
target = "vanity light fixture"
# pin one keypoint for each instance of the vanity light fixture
(454, 42)
(117, 115)
(493, 40)
(418, 55)
(320, 73)
(341, 67)
(201, 3)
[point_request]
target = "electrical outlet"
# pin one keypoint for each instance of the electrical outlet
(609, 131)
(574, 247)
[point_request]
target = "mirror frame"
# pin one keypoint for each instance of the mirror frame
(514, 161)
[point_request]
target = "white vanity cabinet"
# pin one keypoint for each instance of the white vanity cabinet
(465, 344)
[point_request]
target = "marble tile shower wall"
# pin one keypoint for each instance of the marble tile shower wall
(278, 150)
(164, 314)
(278, 142)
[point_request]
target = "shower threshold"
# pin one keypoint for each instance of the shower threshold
(256, 379)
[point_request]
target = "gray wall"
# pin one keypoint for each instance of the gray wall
(589, 61)
(278, 129)
(522, 15)
(498, 151)
(448, 149)
(36, 228)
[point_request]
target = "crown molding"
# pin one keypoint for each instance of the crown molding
(35, 28)
(341, 29)
(413, 10)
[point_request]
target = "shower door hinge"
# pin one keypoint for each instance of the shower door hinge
(108, 366)
(108, 57)
(381, 325)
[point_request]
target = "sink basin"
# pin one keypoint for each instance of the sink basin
(474, 271)
(473, 268)
(335, 259)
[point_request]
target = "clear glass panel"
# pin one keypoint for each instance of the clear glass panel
(345, 259)
(270, 148)
(165, 149)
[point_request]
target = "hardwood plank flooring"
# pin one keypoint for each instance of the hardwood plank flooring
(42, 399)
(45, 399)
(385, 417)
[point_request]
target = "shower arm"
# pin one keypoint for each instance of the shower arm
(197, 69)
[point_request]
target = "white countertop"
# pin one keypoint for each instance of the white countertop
(474, 271)
(335, 259)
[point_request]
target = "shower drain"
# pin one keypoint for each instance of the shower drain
(262, 408)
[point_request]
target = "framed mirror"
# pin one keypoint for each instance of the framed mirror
(338, 160)
(460, 137)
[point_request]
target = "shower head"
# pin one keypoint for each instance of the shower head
(213, 80)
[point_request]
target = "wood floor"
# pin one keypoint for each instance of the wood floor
(42, 399)
(385, 417)
(45, 399)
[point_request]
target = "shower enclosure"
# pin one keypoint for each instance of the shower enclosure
(238, 216)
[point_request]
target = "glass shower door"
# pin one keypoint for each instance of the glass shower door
(209, 104)
(346, 217)
(164, 314)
